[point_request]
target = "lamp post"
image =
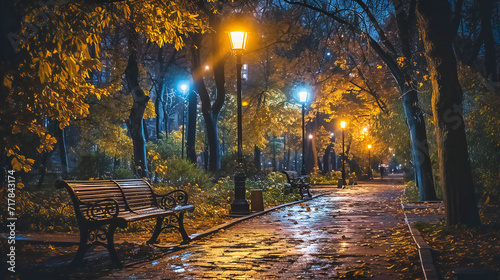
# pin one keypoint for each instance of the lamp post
(303, 100)
(238, 41)
(369, 162)
(343, 125)
(184, 88)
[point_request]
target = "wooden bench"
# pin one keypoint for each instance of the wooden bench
(101, 206)
(296, 181)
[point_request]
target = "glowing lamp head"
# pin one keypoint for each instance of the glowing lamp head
(369, 146)
(303, 96)
(310, 136)
(238, 40)
(184, 88)
(343, 124)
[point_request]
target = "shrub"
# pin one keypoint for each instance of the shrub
(95, 165)
(123, 172)
(43, 210)
(331, 178)
(411, 193)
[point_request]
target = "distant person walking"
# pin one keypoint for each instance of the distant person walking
(381, 172)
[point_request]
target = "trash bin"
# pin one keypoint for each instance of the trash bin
(257, 202)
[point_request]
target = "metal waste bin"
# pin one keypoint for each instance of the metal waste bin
(257, 202)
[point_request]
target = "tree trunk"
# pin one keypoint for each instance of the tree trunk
(159, 96)
(134, 122)
(43, 170)
(490, 60)
(205, 156)
(326, 159)
(61, 141)
(295, 161)
(210, 111)
(214, 160)
(159, 115)
(145, 128)
(256, 159)
(191, 126)
(288, 155)
(273, 147)
(454, 167)
(419, 148)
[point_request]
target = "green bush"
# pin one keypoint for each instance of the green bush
(96, 165)
(331, 178)
(411, 193)
(46, 210)
(123, 172)
(272, 189)
(181, 172)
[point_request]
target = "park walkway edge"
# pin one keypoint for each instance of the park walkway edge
(424, 251)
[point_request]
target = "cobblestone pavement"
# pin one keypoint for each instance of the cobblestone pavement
(333, 235)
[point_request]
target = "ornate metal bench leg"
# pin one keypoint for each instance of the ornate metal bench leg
(157, 231)
(185, 237)
(111, 245)
(301, 191)
(84, 236)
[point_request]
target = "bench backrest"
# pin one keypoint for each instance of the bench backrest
(291, 175)
(138, 193)
(133, 194)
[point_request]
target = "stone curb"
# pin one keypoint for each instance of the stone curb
(424, 251)
(230, 223)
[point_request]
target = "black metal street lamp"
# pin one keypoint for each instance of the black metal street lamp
(238, 40)
(369, 162)
(343, 125)
(303, 100)
(184, 89)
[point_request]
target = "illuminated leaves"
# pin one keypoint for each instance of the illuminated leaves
(52, 81)
(461, 246)
(402, 61)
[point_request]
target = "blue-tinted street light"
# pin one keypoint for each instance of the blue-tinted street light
(303, 99)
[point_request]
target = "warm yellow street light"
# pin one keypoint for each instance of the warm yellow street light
(343, 125)
(369, 162)
(238, 40)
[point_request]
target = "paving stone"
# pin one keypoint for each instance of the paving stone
(318, 239)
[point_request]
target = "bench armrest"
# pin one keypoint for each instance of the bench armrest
(101, 210)
(172, 199)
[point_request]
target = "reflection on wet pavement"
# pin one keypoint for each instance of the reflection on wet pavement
(318, 239)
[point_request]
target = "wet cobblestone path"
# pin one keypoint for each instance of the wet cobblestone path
(319, 239)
